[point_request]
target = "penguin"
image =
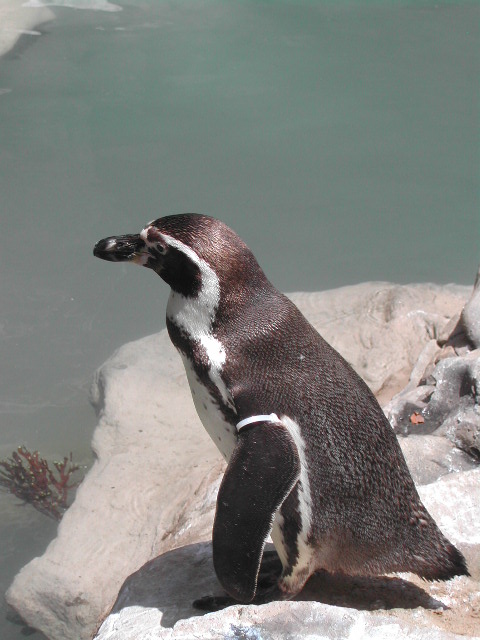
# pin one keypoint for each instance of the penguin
(312, 460)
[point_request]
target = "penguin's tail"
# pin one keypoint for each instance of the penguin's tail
(428, 552)
(449, 562)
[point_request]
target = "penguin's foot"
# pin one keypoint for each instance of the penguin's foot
(270, 571)
(216, 603)
(213, 603)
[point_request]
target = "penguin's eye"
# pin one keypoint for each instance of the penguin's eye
(158, 250)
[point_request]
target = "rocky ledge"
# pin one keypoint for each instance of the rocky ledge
(133, 550)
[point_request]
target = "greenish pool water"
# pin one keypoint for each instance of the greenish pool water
(339, 139)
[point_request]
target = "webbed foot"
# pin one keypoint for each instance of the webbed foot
(213, 603)
(217, 603)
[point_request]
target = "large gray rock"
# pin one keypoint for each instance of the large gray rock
(432, 457)
(470, 318)
(454, 502)
(457, 383)
(454, 407)
(449, 405)
(155, 602)
(275, 621)
(17, 21)
(153, 485)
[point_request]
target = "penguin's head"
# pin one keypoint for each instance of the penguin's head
(185, 250)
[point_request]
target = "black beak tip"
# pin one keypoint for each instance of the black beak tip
(119, 248)
(100, 249)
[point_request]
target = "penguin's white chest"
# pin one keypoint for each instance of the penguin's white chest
(195, 317)
(223, 434)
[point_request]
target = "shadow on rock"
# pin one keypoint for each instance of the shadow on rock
(171, 582)
(367, 593)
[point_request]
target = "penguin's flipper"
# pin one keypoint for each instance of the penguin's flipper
(262, 471)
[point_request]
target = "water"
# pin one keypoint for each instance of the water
(338, 138)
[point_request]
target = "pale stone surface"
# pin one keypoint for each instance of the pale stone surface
(448, 406)
(275, 621)
(158, 596)
(17, 20)
(470, 317)
(454, 502)
(454, 407)
(457, 383)
(431, 457)
(152, 487)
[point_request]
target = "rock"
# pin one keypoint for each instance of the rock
(404, 405)
(456, 393)
(462, 333)
(470, 317)
(443, 392)
(467, 437)
(152, 487)
(431, 457)
(454, 502)
(275, 621)
(150, 606)
(16, 21)
(423, 367)
(448, 406)
(457, 383)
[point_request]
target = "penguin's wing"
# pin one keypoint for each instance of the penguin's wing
(262, 471)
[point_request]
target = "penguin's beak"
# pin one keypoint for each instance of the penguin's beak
(122, 249)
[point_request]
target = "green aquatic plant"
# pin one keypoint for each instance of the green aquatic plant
(31, 479)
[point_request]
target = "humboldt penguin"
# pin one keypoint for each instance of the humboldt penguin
(312, 459)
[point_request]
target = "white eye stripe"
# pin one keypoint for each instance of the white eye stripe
(158, 236)
(168, 241)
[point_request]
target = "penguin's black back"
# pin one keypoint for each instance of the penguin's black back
(365, 506)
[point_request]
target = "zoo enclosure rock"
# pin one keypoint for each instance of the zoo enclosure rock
(470, 317)
(153, 485)
(274, 621)
(151, 607)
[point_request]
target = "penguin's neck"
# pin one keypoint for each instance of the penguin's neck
(190, 322)
(193, 319)
(195, 315)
